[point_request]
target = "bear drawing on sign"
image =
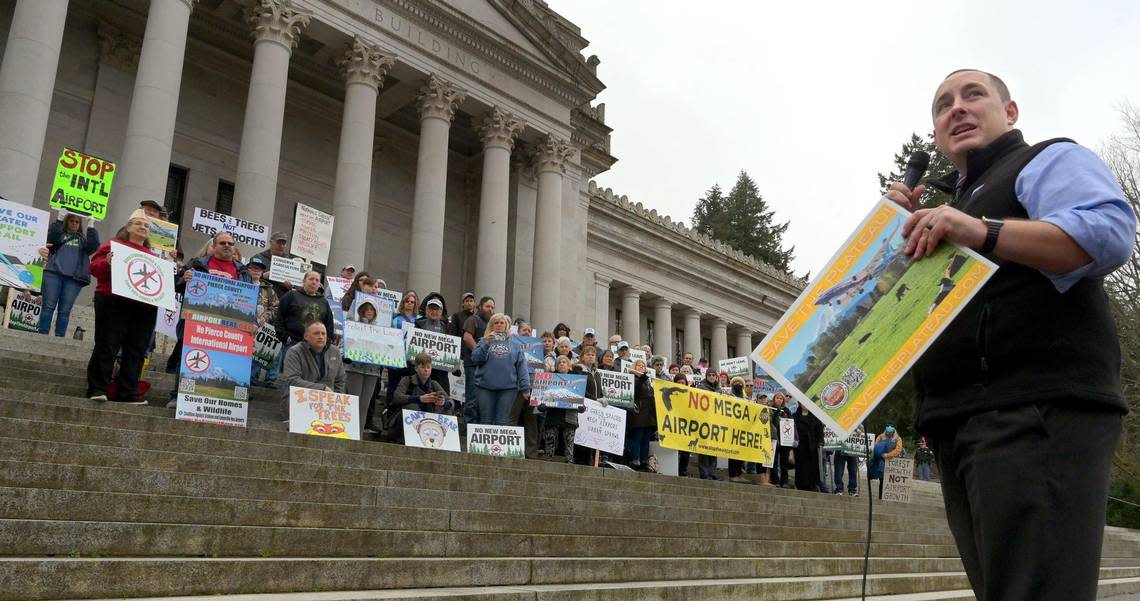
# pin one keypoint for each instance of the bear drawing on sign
(432, 433)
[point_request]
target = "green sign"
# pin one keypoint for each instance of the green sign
(82, 184)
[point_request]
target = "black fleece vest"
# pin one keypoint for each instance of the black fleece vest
(1019, 340)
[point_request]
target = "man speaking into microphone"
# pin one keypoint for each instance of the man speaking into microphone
(1020, 396)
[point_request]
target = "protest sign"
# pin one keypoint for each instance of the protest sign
(787, 432)
(324, 413)
(244, 232)
(163, 236)
(458, 387)
(635, 354)
(221, 301)
(601, 428)
(23, 230)
(209, 410)
(737, 366)
(337, 286)
(532, 347)
(391, 296)
(897, 479)
(616, 389)
(24, 311)
(444, 349)
(383, 307)
(166, 320)
(858, 443)
(431, 430)
(82, 184)
(266, 347)
(763, 385)
(141, 276)
(312, 234)
(496, 441)
(287, 271)
(566, 391)
(699, 421)
(832, 441)
(373, 344)
(866, 319)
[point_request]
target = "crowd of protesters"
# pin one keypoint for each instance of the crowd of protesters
(496, 374)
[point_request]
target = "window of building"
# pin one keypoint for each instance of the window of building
(649, 333)
(225, 200)
(678, 346)
(175, 192)
(706, 350)
(731, 351)
(617, 320)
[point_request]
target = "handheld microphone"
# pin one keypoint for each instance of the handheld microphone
(916, 168)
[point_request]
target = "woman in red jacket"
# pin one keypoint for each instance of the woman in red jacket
(121, 324)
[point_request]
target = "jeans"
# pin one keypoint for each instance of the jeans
(59, 292)
(924, 472)
(495, 405)
(851, 464)
(121, 325)
(637, 446)
(470, 396)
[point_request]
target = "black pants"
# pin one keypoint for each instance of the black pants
(120, 325)
(735, 468)
(1025, 491)
(780, 468)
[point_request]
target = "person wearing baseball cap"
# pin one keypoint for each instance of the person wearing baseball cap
(460, 317)
(589, 338)
(433, 310)
(266, 313)
(348, 271)
(152, 209)
(278, 246)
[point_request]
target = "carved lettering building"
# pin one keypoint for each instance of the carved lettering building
(454, 142)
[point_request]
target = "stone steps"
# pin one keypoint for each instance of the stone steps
(99, 500)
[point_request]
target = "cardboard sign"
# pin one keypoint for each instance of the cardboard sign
(787, 432)
(431, 430)
(496, 441)
(897, 479)
(24, 311)
(616, 389)
(141, 276)
(312, 234)
(444, 349)
(699, 421)
(635, 354)
(23, 230)
(221, 301)
(337, 287)
(287, 271)
(163, 236)
(209, 410)
(737, 366)
(373, 344)
(565, 391)
(324, 413)
(244, 232)
(867, 318)
(266, 347)
(82, 184)
(601, 428)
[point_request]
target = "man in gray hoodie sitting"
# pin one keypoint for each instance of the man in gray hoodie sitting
(314, 363)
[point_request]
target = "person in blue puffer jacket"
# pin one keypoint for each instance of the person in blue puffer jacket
(500, 372)
(70, 242)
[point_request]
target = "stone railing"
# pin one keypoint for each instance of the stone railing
(651, 215)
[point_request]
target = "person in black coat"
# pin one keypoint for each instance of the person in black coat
(805, 456)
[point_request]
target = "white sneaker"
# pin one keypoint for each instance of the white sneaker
(98, 397)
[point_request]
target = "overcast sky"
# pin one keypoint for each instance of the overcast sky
(814, 98)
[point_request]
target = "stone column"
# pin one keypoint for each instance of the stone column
(743, 342)
(719, 342)
(154, 107)
(364, 68)
(602, 307)
(550, 164)
(438, 102)
(663, 323)
(27, 80)
(693, 334)
(277, 26)
(631, 316)
(499, 131)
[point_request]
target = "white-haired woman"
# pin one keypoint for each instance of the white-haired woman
(500, 372)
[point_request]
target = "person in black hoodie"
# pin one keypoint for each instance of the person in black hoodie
(433, 308)
(455, 326)
(707, 463)
(779, 471)
(806, 454)
(300, 306)
(642, 420)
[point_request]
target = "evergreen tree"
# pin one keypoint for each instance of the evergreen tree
(939, 166)
(743, 221)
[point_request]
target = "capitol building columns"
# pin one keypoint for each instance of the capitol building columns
(545, 298)
(499, 130)
(277, 26)
(364, 67)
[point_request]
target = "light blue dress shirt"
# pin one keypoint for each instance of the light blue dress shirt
(1069, 186)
